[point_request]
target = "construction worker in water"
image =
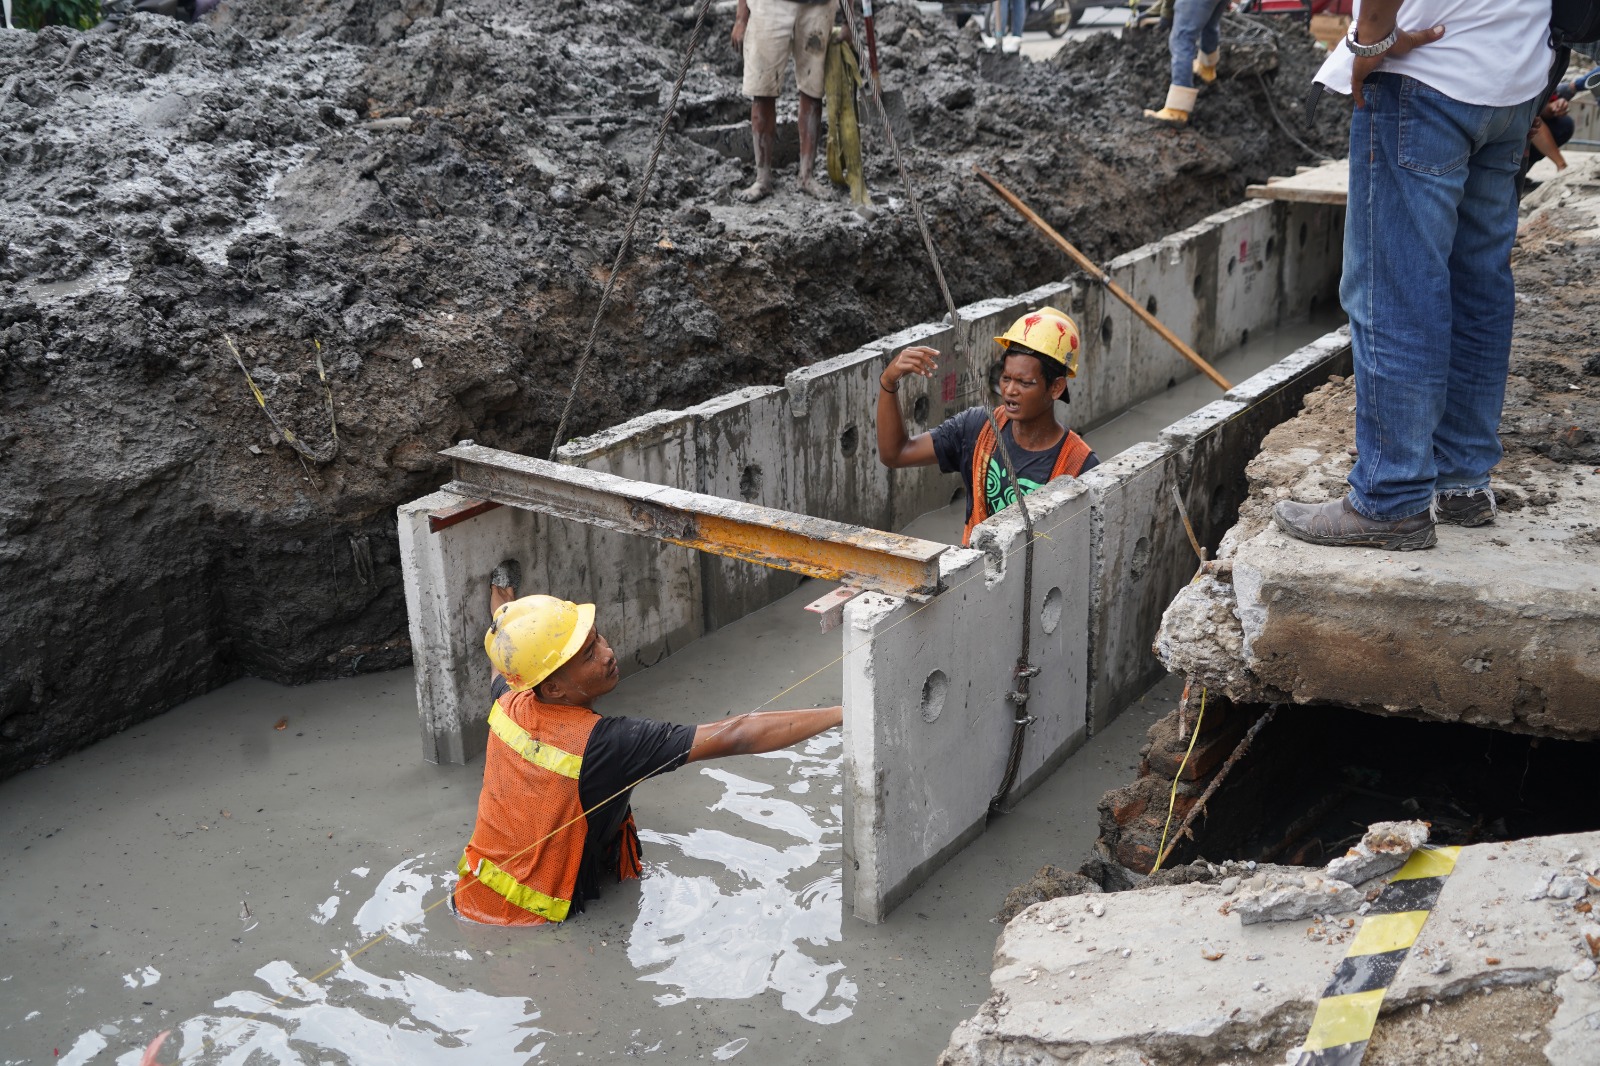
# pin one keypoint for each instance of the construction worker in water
(554, 822)
(1040, 352)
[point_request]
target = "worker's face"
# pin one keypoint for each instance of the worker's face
(586, 676)
(1023, 389)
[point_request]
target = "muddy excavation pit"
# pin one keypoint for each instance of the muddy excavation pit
(1313, 779)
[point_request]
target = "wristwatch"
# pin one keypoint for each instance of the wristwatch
(1368, 50)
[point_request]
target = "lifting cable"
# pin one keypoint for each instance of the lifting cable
(1025, 669)
(633, 221)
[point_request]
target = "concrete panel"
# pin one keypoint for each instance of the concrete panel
(746, 450)
(1312, 237)
(1138, 565)
(928, 724)
(1142, 555)
(1248, 282)
(1059, 616)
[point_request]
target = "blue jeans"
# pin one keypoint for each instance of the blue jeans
(1013, 13)
(1193, 22)
(1427, 285)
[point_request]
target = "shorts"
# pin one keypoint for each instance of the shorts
(778, 29)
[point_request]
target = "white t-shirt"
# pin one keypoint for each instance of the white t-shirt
(1494, 52)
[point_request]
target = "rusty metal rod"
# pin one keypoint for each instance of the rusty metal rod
(1200, 804)
(1088, 266)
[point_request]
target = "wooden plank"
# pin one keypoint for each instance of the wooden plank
(833, 551)
(1327, 184)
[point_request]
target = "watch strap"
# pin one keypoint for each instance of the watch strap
(1377, 48)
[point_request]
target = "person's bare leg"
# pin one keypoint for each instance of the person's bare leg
(810, 133)
(763, 137)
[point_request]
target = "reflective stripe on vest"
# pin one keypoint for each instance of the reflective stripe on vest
(515, 892)
(544, 756)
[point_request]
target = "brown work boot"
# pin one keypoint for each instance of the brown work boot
(1338, 525)
(1475, 508)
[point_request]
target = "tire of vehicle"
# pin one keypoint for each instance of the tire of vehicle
(1072, 20)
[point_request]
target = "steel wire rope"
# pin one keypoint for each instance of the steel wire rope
(1025, 669)
(632, 224)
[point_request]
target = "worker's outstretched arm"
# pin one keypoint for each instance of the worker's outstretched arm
(759, 731)
(895, 449)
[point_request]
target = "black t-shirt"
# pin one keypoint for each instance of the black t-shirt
(956, 438)
(621, 752)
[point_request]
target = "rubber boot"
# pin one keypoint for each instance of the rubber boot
(1205, 65)
(1011, 45)
(1180, 102)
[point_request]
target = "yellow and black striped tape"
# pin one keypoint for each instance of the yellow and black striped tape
(1349, 1005)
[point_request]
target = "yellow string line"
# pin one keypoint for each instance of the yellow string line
(1172, 800)
(430, 908)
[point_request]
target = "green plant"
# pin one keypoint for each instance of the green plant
(37, 14)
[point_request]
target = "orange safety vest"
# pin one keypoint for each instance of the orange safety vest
(521, 865)
(1074, 453)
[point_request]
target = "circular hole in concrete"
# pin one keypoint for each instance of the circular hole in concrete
(919, 410)
(934, 691)
(1233, 261)
(750, 482)
(1141, 558)
(1050, 616)
(1105, 330)
(1172, 383)
(1272, 244)
(1302, 234)
(1244, 338)
(1199, 285)
(849, 440)
(1150, 303)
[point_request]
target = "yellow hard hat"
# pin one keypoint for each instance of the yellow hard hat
(531, 637)
(1048, 332)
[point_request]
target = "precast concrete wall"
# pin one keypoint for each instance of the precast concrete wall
(809, 446)
(929, 722)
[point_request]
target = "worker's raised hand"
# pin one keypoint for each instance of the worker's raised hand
(915, 360)
(1404, 41)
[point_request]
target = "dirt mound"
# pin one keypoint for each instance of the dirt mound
(432, 192)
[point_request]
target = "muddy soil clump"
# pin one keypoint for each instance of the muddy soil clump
(429, 194)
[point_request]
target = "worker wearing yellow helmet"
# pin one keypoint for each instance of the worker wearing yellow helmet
(1038, 354)
(554, 823)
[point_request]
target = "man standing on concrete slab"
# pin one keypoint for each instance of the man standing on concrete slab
(553, 817)
(1041, 353)
(1445, 94)
(768, 32)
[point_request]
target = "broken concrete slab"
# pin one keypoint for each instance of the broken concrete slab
(1161, 973)
(1384, 848)
(1292, 896)
(1497, 626)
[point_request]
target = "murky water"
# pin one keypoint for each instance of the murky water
(198, 871)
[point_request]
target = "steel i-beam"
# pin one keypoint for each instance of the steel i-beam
(833, 551)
